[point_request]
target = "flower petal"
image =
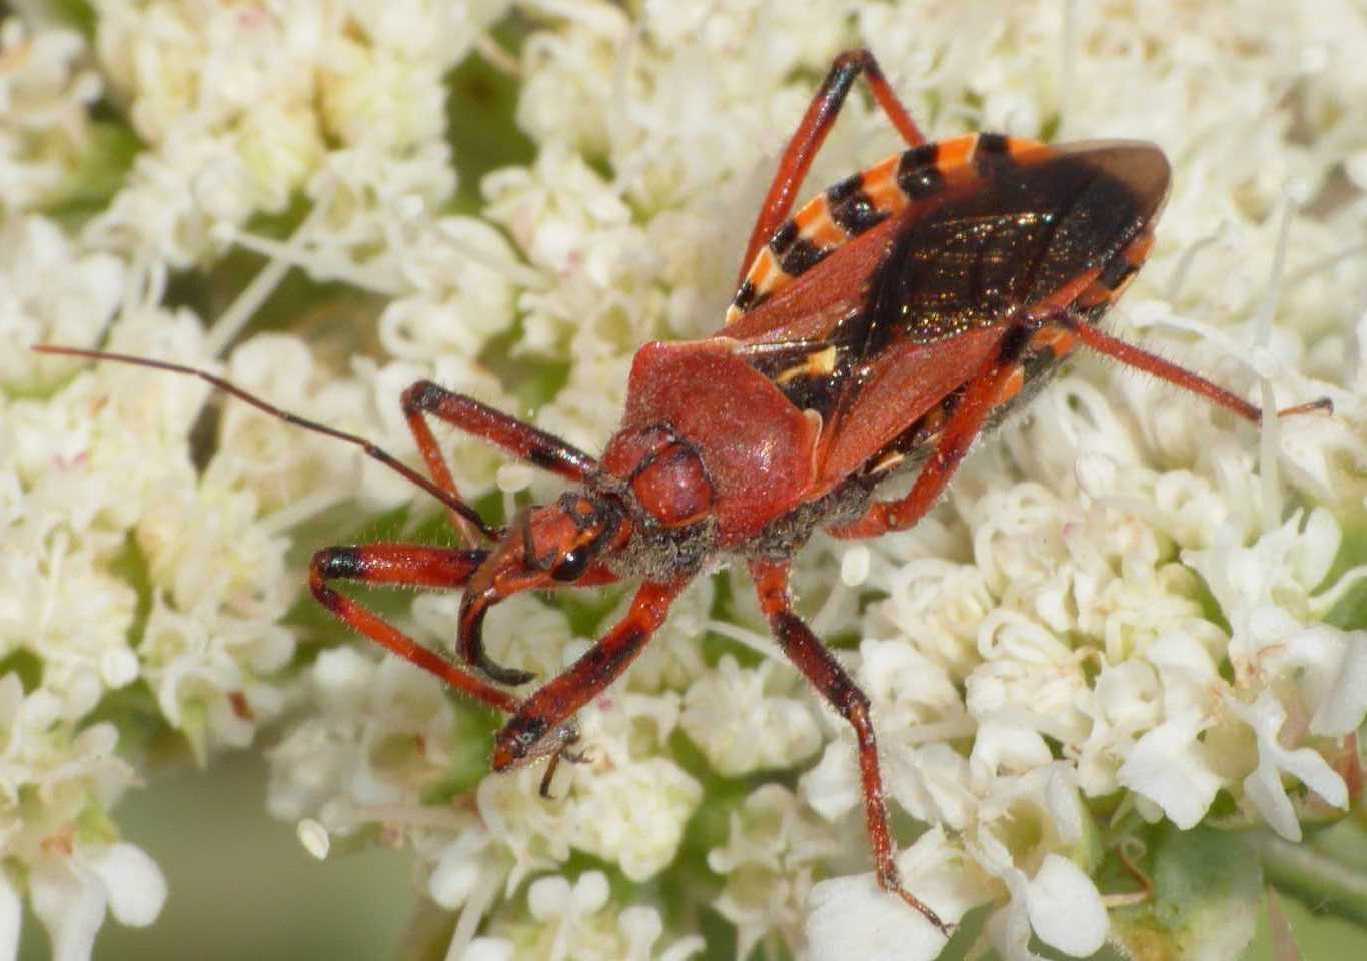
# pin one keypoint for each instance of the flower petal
(135, 885)
(1342, 710)
(1065, 908)
(1264, 786)
(1165, 766)
(489, 949)
(70, 906)
(11, 919)
(852, 917)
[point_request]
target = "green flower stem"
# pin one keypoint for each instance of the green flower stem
(1316, 876)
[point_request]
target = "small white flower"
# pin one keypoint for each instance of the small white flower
(71, 895)
(1029, 675)
(575, 921)
(456, 873)
(742, 721)
(1264, 786)
(851, 917)
(634, 815)
(1169, 766)
(1060, 903)
(51, 293)
(770, 859)
(45, 99)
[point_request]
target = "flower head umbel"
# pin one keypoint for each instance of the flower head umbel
(1119, 668)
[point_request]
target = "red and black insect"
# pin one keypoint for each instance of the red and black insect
(885, 326)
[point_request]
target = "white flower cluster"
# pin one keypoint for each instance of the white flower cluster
(570, 922)
(126, 567)
(1126, 608)
(239, 104)
(45, 98)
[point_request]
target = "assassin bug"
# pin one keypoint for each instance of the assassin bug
(887, 324)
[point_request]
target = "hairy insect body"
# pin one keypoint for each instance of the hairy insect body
(741, 443)
(885, 326)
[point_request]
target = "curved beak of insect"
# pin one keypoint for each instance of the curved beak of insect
(545, 547)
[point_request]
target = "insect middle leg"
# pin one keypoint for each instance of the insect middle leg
(517, 437)
(814, 660)
(981, 394)
(402, 565)
(811, 134)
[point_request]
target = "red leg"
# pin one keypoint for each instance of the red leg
(402, 564)
(811, 134)
(543, 725)
(1137, 357)
(812, 658)
(996, 385)
(517, 437)
(466, 518)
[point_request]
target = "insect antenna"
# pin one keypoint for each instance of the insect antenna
(227, 387)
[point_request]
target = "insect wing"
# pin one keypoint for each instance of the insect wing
(900, 387)
(895, 319)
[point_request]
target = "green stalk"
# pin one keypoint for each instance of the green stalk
(1314, 876)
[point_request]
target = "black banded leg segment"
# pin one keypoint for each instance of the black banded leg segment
(543, 724)
(811, 134)
(399, 565)
(821, 668)
(517, 437)
(409, 566)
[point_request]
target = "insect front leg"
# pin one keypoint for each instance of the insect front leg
(983, 393)
(811, 134)
(402, 565)
(542, 725)
(815, 661)
(517, 437)
(1137, 357)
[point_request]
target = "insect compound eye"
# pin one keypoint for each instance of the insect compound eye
(673, 487)
(571, 566)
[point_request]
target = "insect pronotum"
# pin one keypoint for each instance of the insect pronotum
(888, 323)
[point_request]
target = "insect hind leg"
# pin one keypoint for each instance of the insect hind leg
(811, 134)
(982, 394)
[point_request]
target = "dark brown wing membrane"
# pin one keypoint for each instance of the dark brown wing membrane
(1028, 228)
